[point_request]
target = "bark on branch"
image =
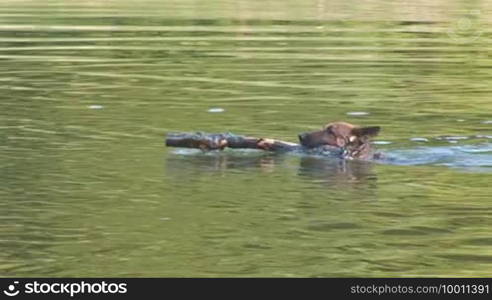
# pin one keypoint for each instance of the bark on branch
(219, 141)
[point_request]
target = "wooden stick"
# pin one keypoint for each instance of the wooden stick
(219, 141)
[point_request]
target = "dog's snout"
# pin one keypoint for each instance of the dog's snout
(302, 136)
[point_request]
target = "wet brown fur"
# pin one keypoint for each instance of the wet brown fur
(353, 139)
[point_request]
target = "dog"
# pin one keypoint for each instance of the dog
(354, 141)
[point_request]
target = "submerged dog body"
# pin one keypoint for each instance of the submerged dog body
(352, 139)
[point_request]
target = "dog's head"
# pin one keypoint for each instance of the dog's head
(342, 135)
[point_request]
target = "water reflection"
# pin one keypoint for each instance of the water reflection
(186, 161)
(338, 171)
(327, 171)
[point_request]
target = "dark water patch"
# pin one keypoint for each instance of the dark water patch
(256, 246)
(416, 231)
(485, 241)
(402, 232)
(467, 218)
(432, 230)
(486, 259)
(288, 218)
(323, 226)
(390, 214)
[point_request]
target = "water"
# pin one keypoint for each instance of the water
(90, 88)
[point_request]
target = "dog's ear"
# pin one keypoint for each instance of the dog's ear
(366, 131)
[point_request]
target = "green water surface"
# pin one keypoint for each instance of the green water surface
(88, 90)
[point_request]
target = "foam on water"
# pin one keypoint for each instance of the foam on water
(465, 157)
